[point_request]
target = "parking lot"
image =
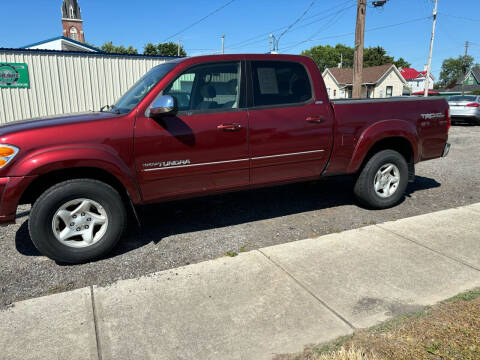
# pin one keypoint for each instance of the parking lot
(181, 233)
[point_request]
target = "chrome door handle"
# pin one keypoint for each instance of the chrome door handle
(315, 119)
(229, 127)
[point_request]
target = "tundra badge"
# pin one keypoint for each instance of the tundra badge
(164, 164)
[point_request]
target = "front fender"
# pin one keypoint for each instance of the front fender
(380, 131)
(48, 160)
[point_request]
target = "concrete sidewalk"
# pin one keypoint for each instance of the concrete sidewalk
(258, 304)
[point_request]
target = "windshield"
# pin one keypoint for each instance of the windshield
(142, 87)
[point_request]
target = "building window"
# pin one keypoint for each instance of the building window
(389, 91)
(334, 93)
(72, 15)
(73, 33)
(369, 92)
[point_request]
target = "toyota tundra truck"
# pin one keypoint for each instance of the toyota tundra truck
(204, 125)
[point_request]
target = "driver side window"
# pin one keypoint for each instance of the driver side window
(207, 87)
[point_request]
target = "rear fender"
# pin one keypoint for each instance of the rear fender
(380, 131)
(54, 159)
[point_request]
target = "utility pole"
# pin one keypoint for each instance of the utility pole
(273, 44)
(429, 65)
(223, 44)
(359, 45)
(178, 47)
(464, 66)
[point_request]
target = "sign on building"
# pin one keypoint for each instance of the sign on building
(13, 75)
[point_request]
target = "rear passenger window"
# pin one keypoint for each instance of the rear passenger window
(280, 83)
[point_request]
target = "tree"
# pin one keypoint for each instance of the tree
(108, 47)
(453, 70)
(402, 63)
(328, 56)
(163, 49)
(376, 56)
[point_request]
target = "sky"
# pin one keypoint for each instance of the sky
(402, 27)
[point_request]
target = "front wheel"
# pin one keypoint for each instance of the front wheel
(77, 220)
(383, 180)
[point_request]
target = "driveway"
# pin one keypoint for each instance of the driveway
(181, 233)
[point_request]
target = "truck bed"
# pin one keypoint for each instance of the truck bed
(358, 121)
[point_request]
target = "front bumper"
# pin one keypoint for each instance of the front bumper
(446, 150)
(11, 190)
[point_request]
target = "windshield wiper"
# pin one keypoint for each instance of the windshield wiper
(110, 108)
(114, 109)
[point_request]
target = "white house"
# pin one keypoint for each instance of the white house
(416, 79)
(378, 82)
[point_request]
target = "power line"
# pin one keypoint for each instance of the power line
(459, 17)
(199, 21)
(293, 24)
(368, 30)
(333, 18)
(332, 22)
(325, 14)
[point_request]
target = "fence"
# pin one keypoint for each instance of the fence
(67, 82)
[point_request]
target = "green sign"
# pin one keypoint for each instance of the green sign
(14, 76)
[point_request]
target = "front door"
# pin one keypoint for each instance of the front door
(290, 133)
(204, 147)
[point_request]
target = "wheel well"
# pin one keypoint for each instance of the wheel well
(44, 182)
(400, 144)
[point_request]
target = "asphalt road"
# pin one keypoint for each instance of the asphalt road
(181, 233)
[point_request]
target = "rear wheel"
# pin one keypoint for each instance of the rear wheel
(383, 180)
(77, 220)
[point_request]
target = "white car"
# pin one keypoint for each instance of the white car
(465, 108)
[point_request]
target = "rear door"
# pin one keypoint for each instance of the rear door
(290, 130)
(204, 147)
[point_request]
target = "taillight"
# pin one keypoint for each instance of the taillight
(449, 120)
(473, 105)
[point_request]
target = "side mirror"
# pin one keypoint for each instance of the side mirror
(164, 105)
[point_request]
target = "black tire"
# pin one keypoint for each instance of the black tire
(365, 189)
(44, 209)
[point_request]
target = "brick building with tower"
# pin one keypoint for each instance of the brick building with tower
(72, 21)
(73, 36)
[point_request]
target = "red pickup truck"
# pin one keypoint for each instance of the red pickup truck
(203, 125)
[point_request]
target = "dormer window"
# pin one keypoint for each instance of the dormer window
(72, 15)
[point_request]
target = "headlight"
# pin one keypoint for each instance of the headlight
(7, 153)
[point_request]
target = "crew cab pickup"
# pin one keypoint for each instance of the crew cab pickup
(204, 125)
